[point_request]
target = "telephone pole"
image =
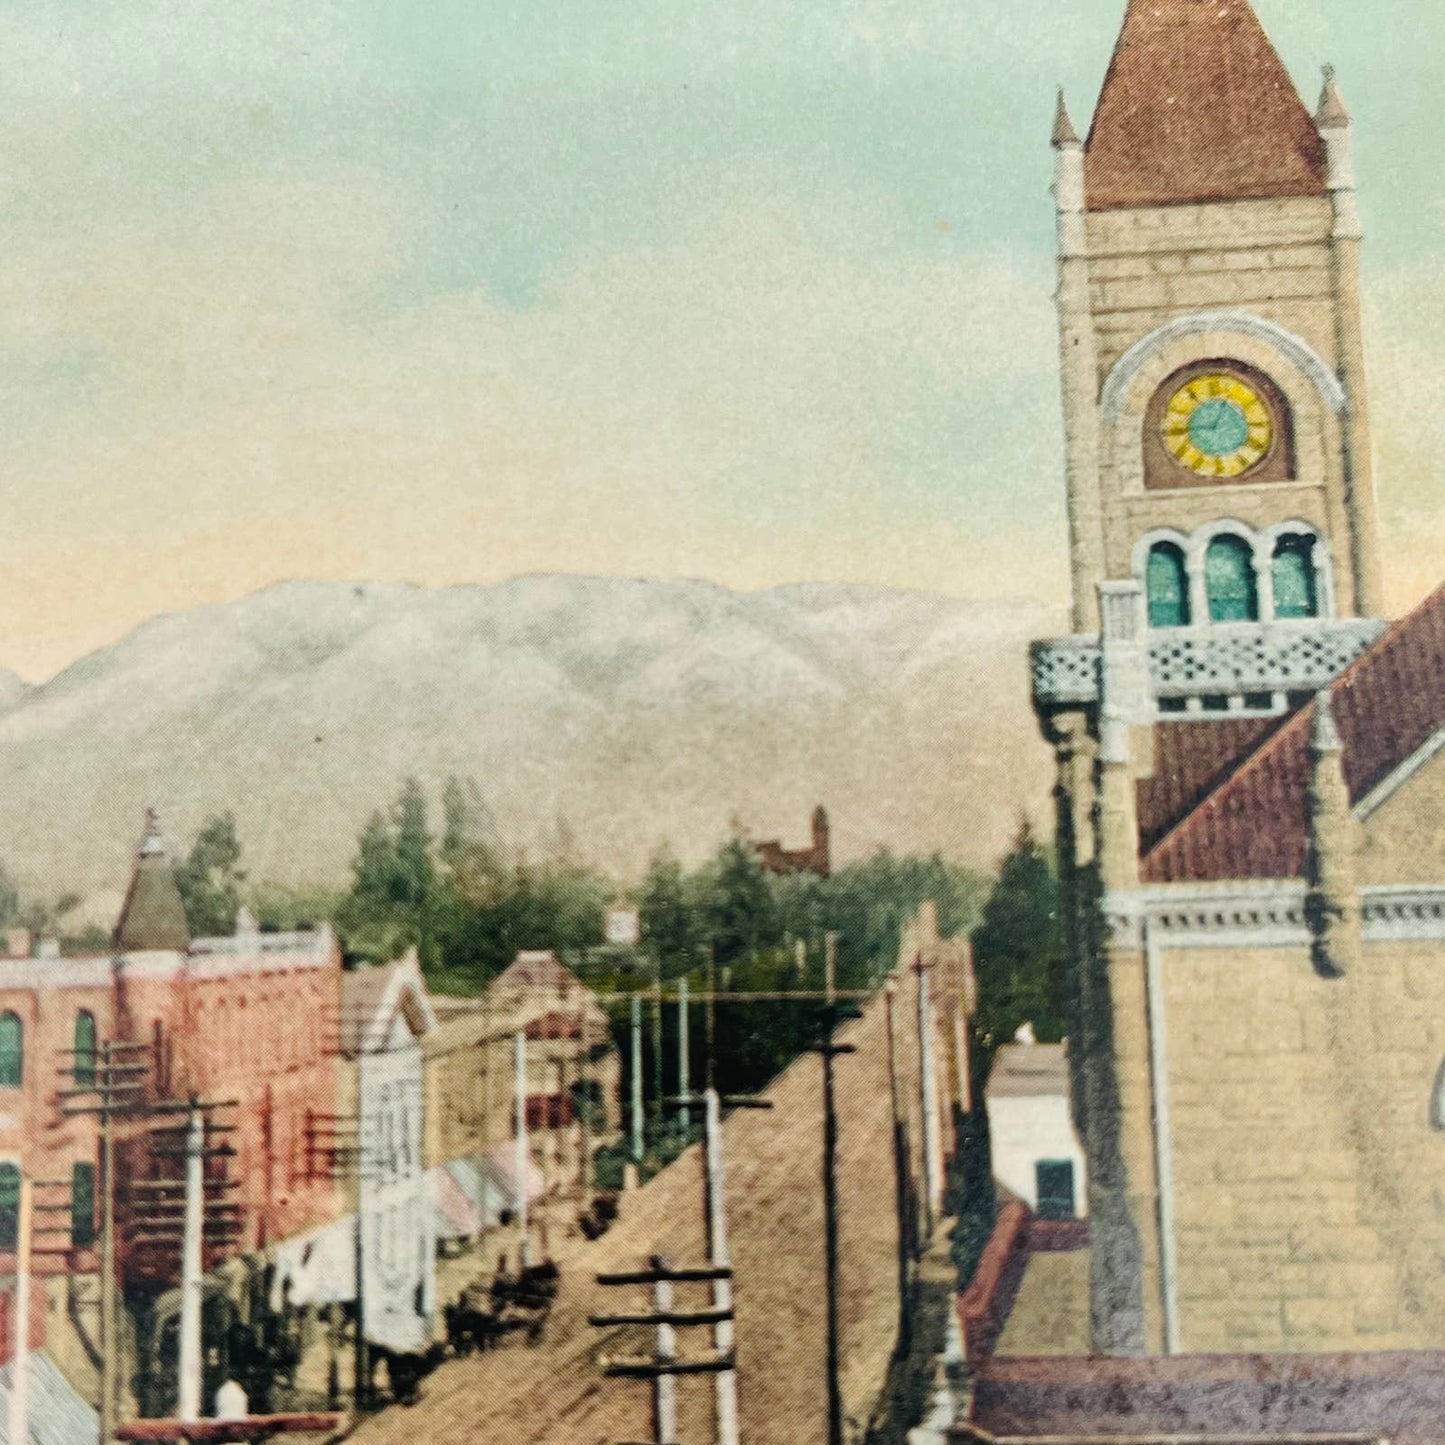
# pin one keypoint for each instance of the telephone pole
(103, 1086)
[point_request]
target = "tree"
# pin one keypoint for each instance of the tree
(210, 879)
(1018, 948)
(741, 915)
(669, 916)
(9, 899)
(414, 872)
(392, 903)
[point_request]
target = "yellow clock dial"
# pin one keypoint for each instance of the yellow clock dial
(1217, 426)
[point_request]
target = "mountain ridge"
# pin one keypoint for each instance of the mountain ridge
(641, 710)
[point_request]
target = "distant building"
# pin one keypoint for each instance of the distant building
(815, 859)
(1037, 1157)
(571, 1064)
(386, 1018)
(244, 1019)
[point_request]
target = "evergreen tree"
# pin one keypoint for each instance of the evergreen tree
(1018, 948)
(741, 915)
(414, 873)
(210, 879)
(669, 916)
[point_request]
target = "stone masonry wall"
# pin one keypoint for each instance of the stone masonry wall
(1309, 1183)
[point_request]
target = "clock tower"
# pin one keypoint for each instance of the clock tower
(1225, 577)
(1217, 420)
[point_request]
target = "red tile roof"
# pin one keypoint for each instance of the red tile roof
(1387, 705)
(1191, 759)
(1197, 106)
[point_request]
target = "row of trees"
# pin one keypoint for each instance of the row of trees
(468, 907)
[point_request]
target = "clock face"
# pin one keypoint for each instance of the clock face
(1217, 426)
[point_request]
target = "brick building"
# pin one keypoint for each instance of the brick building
(471, 1075)
(1249, 774)
(816, 858)
(247, 1019)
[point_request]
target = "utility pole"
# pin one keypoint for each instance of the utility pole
(636, 1079)
(710, 1018)
(724, 1331)
(832, 1013)
(684, 1085)
(722, 1364)
(907, 1236)
(584, 1103)
(655, 1112)
(928, 1099)
(20, 1381)
(104, 1083)
(522, 1156)
(189, 1371)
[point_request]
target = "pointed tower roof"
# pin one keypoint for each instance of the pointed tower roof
(1064, 132)
(152, 916)
(1197, 106)
(1333, 114)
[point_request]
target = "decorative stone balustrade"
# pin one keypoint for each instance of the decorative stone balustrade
(1228, 659)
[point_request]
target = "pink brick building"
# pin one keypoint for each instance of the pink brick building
(250, 1020)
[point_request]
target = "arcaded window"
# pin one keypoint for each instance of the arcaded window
(9, 1205)
(12, 1051)
(1166, 583)
(84, 1049)
(1229, 581)
(1296, 589)
(82, 1205)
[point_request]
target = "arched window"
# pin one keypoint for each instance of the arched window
(12, 1051)
(9, 1205)
(1296, 593)
(84, 1049)
(1166, 583)
(1229, 580)
(82, 1205)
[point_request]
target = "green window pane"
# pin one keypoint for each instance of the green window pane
(1055, 1180)
(82, 1205)
(1293, 574)
(1229, 581)
(1167, 586)
(9, 1206)
(12, 1051)
(84, 1049)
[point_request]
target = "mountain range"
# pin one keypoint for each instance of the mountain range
(639, 712)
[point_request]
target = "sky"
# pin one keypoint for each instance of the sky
(751, 290)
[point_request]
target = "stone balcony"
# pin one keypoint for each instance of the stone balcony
(1252, 666)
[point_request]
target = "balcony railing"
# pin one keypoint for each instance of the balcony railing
(1227, 659)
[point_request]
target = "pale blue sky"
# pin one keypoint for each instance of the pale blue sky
(751, 291)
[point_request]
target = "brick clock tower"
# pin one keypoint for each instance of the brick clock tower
(1233, 819)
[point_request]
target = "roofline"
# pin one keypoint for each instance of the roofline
(1302, 720)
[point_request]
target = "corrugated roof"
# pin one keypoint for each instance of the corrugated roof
(1197, 106)
(1388, 704)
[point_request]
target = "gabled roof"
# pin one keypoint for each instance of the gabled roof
(1197, 106)
(1388, 705)
(533, 969)
(372, 996)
